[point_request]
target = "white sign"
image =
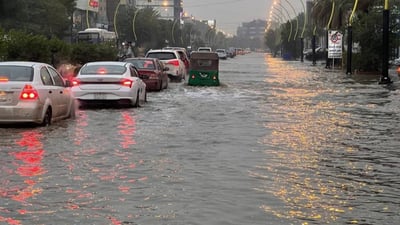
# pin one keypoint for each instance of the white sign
(335, 44)
(91, 5)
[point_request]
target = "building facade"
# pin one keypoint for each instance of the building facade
(252, 30)
(253, 33)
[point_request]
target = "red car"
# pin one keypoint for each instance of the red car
(152, 71)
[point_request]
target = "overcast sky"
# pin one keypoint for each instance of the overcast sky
(230, 14)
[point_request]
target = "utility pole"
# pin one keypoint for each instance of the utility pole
(385, 79)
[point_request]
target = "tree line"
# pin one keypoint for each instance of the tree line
(335, 15)
(33, 30)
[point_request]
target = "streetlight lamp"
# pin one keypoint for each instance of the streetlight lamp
(385, 79)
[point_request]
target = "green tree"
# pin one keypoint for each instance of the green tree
(147, 28)
(47, 17)
(272, 40)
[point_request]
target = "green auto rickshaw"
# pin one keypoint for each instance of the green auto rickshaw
(204, 68)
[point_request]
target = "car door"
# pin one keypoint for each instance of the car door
(62, 93)
(48, 92)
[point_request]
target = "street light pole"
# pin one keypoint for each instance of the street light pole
(134, 25)
(173, 31)
(350, 39)
(328, 26)
(115, 20)
(297, 21)
(314, 61)
(385, 79)
(302, 32)
(290, 21)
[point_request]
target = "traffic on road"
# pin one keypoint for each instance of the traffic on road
(277, 142)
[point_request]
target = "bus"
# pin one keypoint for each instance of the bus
(96, 36)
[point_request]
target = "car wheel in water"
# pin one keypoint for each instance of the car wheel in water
(161, 86)
(47, 118)
(72, 112)
(137, 102)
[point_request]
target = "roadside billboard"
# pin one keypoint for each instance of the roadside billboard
(91, 5)
(335, 44)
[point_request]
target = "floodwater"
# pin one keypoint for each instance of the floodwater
(278, 143)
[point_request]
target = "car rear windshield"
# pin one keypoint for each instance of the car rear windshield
(161, 55)
(142, 63)
(16, 73)
(103, 69)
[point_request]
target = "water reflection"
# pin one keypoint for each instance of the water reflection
(315, 163)
(28, 165)
(98, 162)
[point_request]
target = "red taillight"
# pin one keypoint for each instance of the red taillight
(76, 82)
(127, 83)
(29, 93)
(102, 70)
(3, 79)
(174, 62)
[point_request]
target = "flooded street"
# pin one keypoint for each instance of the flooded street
(277, 143)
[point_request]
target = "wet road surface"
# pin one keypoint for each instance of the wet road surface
(278, 143)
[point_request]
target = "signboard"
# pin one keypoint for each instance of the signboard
(335, 44)
(91, 5)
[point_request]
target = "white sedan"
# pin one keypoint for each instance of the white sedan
(33, 92)
(105, 82)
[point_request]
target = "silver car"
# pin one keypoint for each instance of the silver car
(33, 92)
(106, 82)
(171, 58)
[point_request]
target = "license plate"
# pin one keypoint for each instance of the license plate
(3, 96)
(100, 96)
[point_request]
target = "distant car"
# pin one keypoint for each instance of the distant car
(171, 59)
(109, 82)
(222, 54)
(231, 52)
(152, 71)
(205, 49)
(33, 92)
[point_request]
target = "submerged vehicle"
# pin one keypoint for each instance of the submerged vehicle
(204, 69)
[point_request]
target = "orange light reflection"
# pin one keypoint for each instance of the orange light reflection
(296, 148)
